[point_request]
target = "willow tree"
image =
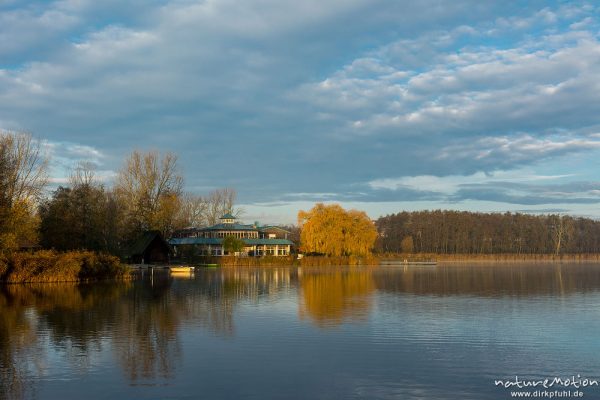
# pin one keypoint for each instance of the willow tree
(23, 176)
(149, 188)
(333, 231)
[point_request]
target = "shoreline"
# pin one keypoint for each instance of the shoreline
(85, 267)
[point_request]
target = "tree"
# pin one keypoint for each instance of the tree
(562, 228)
(407, 244)
(149, 189)
(333, 231)
(219, 203)
(82, 216)
(23, 176)
(231, 244)
(192, 211)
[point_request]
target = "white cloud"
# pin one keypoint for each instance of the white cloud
(452, 183)
(316, 96)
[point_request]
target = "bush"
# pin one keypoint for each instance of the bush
(51, 266)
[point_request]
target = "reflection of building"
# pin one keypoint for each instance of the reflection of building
(258, 241)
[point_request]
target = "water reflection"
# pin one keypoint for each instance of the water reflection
(329, 297)
(141, 325)
(18, 342)
(489, 279)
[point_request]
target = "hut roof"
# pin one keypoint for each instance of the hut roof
(140, 245)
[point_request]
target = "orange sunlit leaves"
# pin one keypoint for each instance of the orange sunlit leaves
(333, 231)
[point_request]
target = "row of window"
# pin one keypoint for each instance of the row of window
(239, 235)
(269, 251)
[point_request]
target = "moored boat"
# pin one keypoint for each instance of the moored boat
(180, 269)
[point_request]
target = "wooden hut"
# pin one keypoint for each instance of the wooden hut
(149, 248)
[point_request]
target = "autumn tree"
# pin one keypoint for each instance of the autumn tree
(149, 188)
(23, 176)
(333, 231)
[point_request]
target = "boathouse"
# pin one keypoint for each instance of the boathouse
(258, 241)
(149, 248)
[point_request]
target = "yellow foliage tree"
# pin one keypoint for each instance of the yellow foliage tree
(331, 230)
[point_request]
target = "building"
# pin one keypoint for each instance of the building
(149, 248)
(258, 241)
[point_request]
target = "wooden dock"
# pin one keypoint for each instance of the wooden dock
(406, 262)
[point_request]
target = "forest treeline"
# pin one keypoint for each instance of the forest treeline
(456, 232)
(86, 213)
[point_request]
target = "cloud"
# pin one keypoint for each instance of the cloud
(504, 152)
(290, 101)
(521, 187)
(66, 156)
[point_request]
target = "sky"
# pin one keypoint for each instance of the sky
(378, 105)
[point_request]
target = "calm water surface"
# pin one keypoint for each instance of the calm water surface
(444, 332)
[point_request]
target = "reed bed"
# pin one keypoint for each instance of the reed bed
(52, 266)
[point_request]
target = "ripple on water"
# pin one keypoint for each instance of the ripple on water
(358, 333)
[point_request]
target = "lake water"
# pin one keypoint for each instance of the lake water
(393, 332)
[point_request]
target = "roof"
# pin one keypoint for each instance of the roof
(229, 227)
(269, 227)
(192, 240)
(228, 216)
(143, 241)
(234, 227)
(219, 241)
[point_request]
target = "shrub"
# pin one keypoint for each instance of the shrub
(51, 266)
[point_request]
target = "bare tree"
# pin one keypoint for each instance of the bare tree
(562, 228)
(220, 202)
(23, 176)
(24, 165)
(149, 188)
(84, 174)
(193, 210)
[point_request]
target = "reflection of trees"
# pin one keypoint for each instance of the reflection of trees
(212, 299)
(145, 336)
(139, 320)
(481, 280)
(17, 342)
(332, 297)
(67, 311)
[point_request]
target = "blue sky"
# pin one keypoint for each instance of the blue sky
(379, 105)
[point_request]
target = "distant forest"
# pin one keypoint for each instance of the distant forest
(454, 232)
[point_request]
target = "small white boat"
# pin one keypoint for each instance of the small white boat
(181, 269)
